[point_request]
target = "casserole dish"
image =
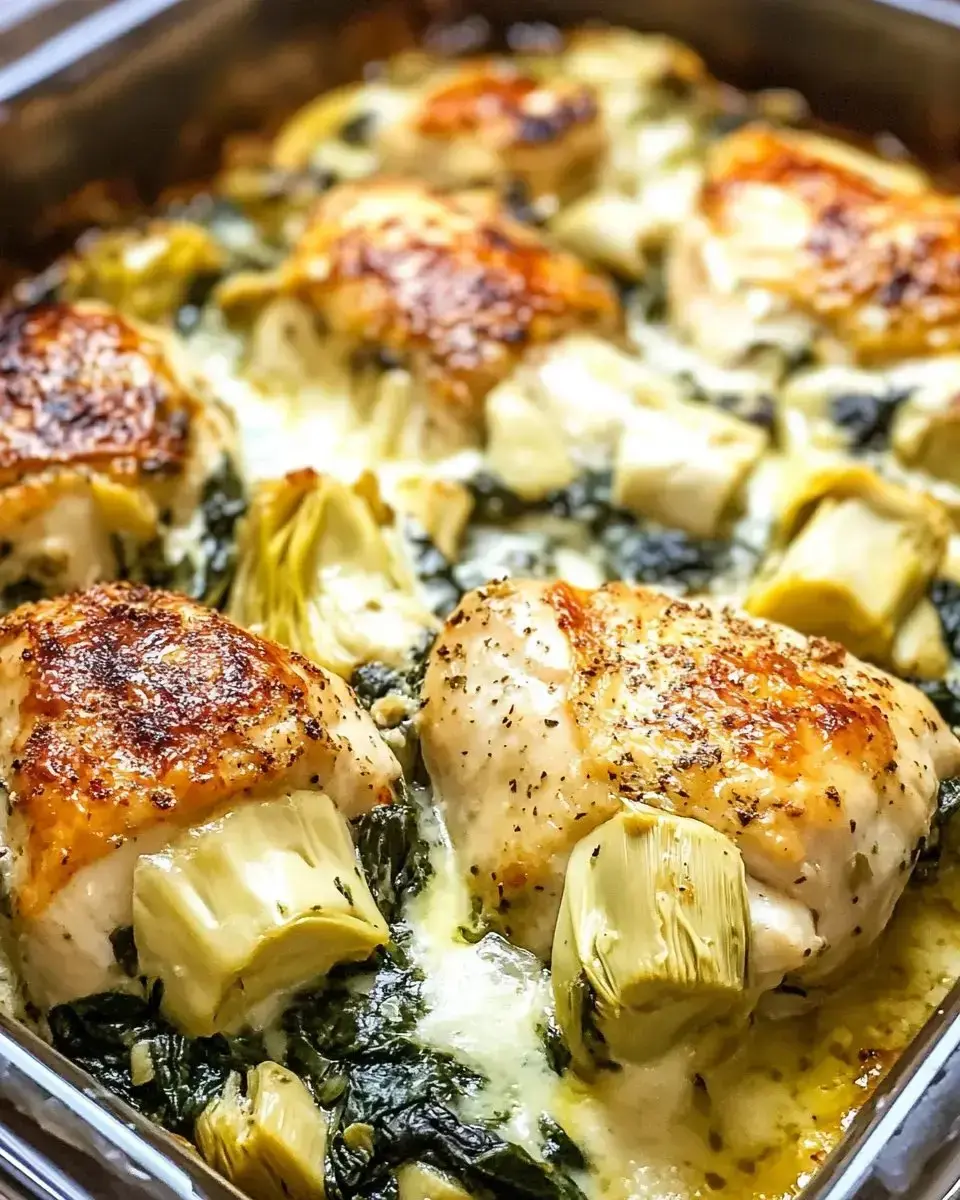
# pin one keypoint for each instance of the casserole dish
(213, 58)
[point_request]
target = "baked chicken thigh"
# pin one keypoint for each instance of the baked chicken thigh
(106, 448)
(549, 708)
(802, 241)
(168, 770)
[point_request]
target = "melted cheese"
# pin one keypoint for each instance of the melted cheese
(756, 1115)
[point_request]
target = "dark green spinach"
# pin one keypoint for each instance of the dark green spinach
(395, 858)
(99, 1032)
(631, 550)
(208, 575)
(391, 1099)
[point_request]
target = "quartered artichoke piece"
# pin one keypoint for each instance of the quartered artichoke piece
(415, 1181)
(919, 648)
(321, 136)
(651, 940)
(926, 431)
(144, 273)
(441, 508)
(322, 570)
(270, 1142)
(540, 431)
(683, 464)
(860, 552)
(265, 898)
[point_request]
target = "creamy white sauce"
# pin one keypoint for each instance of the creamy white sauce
(487, 1002)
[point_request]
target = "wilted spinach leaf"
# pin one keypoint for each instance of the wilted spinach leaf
(945, 695)
(98, 1033)
(208, 576)
(865, 418)
(559, 1147)
(125, 949)
(433, 568)
(353, 1042)
(644, 555)
(395, 858)
(631, 550)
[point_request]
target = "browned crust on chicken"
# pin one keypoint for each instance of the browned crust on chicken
(879, 265)
(80, 386)
(455, 288)
(735, 693)
(546, 706)
(508, 107)
(141, 707)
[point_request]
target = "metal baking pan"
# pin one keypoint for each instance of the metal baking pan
(143, 92)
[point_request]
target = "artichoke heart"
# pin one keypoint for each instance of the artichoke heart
(262, 899)
(861, 554)
(926, 430)
(651, 941)
(919, 649)
(270, 1142)
(540, 433)
(322, 570)
(416, 1181)
(684, 463)
(145, 273)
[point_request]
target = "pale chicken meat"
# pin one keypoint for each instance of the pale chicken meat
(547, 706)
(129, 715)
(105, 444)
(802, 242)
(448, 286)
(490, 122)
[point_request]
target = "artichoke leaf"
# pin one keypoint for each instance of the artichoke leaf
(262, 899)
(321, 572)
(652, 937)
(441, 507)
(146, 273)
(683, 464)
(417, 1181)
(860, 553)
(919, 648)
(526, 446)
(926, 430)
(320, 121)
(270, 1142)
(823, 476)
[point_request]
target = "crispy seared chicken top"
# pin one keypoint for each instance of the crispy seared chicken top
(127, 708)
(81, 386)
(867, 248)
(548, 706)
(448, 283)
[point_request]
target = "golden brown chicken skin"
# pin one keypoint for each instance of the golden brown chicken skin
(486, 122)
(449, 285)
(79, 386)
(547, 706)
(861, 251)
(103, 436)
(127, 709)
